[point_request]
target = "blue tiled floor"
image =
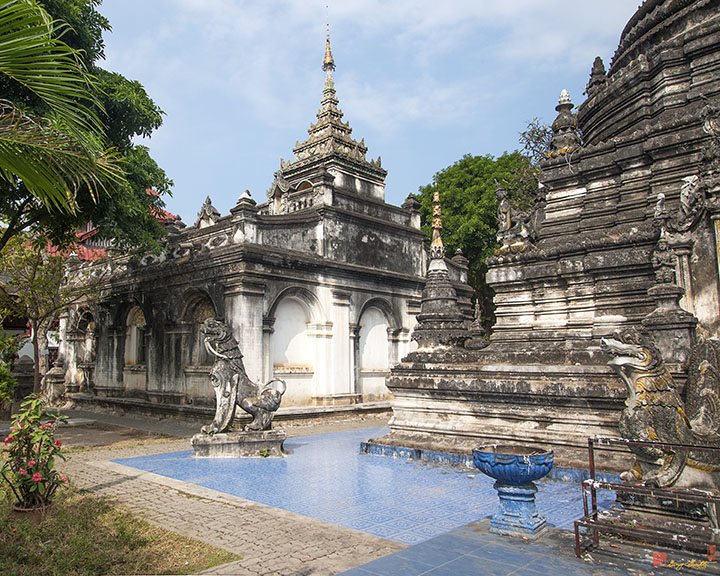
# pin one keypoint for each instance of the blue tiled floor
(474, 550)
(326, 477)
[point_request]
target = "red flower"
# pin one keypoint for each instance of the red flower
(8, 439)
(63, 479)
(22, 471)
(37, 477)
(58, 443)
(31, 463)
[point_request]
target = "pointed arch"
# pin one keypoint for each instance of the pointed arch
(375, 347)
(198, 306)
(304, 297)
(292, 348)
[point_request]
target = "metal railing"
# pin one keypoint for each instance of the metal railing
(657, 529)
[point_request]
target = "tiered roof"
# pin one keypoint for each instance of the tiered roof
(330, 136)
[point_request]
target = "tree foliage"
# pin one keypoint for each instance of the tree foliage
(40, 286)
(125, 211)
(56, 150)
(469, 207)
(535, 141)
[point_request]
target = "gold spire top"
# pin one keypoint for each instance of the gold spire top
(437, 248)
(328, 62)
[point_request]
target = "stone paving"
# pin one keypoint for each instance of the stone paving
(271, 541)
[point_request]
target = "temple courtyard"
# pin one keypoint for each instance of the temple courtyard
(329, 509)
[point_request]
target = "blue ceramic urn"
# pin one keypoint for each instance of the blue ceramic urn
(511, 464)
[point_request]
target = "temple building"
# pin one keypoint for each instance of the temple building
(625, 232)
(320, 285)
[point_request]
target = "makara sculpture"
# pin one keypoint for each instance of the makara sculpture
(656, 412)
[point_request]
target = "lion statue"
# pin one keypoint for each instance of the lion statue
(232, 385)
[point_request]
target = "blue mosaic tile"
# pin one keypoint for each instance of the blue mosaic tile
(470, 565)
(327, 477)
(389, 565)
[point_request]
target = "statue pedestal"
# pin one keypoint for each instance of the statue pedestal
(263, 444)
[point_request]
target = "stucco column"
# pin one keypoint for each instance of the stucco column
(268, 330)
(354, 336)
(244, 305)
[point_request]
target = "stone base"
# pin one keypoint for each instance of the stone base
(267, 443)
(517, 515)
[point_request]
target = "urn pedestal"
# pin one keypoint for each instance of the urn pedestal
(515, 468)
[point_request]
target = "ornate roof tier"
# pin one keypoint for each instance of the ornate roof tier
(330, 136)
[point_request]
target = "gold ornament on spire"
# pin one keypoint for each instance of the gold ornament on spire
(437, 248)
(328, 62)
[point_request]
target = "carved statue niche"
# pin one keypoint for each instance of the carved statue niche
(513, 233)
(655, 412)
(663, 261)
(232, 385)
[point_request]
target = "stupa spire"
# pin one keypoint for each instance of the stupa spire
(441, 323)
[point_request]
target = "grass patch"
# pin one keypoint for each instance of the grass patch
(120, 444)
(87, 535)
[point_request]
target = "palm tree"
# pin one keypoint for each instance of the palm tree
(54, 156)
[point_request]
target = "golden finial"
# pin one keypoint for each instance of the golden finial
(328, 62)
(437, 248)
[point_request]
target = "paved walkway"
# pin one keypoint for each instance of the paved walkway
(273, 541)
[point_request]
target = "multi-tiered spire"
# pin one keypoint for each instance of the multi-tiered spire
(440, 323)
(330, 135)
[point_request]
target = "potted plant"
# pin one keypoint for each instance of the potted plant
(30, 451)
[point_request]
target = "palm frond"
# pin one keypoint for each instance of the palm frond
(47, 67)
(51, 163)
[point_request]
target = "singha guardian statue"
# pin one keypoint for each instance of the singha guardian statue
(232, 385)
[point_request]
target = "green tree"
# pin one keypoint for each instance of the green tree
(54, 151)
(535, 141)
(469, 208)
(125, 211)
(40, 285)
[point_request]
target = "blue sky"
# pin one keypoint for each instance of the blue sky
(423, 81)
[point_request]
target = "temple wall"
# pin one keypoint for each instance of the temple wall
(298, 321)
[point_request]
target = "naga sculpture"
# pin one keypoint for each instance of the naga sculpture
(232, 385)
(655, 412)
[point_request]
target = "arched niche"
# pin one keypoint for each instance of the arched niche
(84, 333)
(289, 343)
(375, 351)
(304, 185)
(374, 346)
(135, 337)
(198, 309)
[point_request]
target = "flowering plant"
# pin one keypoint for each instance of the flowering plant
(31, 449)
